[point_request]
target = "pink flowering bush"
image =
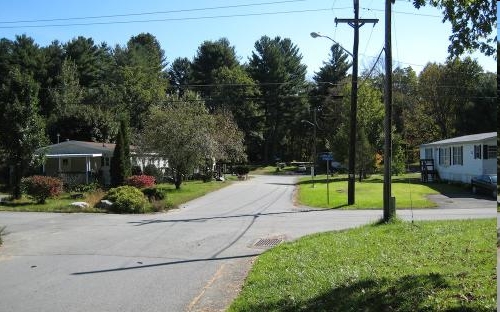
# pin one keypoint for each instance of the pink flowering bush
(140, 181)
(41, 187)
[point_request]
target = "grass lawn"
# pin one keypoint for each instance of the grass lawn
(61, 204)
(189, 190)
(192, 189)
(426, 266)
(408, 190)
(271, 170)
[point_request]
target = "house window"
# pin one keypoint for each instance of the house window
(104, 161)
(477, 151)
(458, 152)
(65, 162)
(444, 156)
(428, 153)
(489, 151)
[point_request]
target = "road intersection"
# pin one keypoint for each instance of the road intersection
(191, 259)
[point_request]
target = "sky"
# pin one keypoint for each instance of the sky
(419, 36)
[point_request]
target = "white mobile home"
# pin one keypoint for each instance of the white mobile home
(461, 158)
(78, 162)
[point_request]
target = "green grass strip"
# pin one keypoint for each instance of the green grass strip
(408, 190)
(426, 266)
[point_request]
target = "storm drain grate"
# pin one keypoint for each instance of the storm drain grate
(268, 242)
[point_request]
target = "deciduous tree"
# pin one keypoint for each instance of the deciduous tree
(473, 23)
(22, 128)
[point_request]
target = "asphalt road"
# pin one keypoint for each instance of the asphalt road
(190, 259)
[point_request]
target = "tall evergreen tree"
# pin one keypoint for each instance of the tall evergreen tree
(211, 56)
(179, 75)
(120, 166)
(276, 65)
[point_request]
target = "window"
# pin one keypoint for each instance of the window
(492, 152)
(489, 151)
(477, 151)
(444, 156)
(104, 161)
(65, 162)
(428, 153)
(458, 158)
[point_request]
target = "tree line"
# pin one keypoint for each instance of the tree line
(79, 90)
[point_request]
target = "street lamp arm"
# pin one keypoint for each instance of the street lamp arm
(316, 35)
(307, 121)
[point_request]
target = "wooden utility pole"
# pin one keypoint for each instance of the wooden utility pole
(389, 205)
(355, 23)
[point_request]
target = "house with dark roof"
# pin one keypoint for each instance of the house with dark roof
(79, 162)
(459, 159)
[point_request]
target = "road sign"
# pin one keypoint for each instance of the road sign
(326, 157)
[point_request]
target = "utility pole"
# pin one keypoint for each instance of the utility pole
(355, 23)
(313, 170)
(389, 206)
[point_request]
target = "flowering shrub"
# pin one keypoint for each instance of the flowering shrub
(153, 193)
(40, 187)
(126, 199)
(140, 181)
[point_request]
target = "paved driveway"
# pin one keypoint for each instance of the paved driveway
(191, 259)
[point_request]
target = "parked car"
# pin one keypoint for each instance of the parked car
(485, 183)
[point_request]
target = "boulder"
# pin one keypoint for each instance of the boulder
(105, 204)
(80, 205)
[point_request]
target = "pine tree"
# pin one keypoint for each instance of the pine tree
(120, 167)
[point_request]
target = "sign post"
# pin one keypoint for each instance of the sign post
(327, 157)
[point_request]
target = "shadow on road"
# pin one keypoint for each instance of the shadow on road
(141, 266)
(254, 215)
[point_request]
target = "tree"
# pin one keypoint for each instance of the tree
(235, 92)
(229, 139)
(68, 93)
(276, 66)
(211, 56)
(53, 58)
(85, 54)
(179, 75)
(473, 23)
(120, 166)
(447, 94)
(481, 114)
(325, 97)
(21, 126)
(73, 119)
(370, 126)
(184, 132)
(139, 77)
(333, 71)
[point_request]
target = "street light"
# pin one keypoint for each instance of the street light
(354, 100)
(314, 125)
(316, 35)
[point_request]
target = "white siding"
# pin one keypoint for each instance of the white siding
(471, 167)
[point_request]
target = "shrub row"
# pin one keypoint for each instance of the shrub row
(126, 199)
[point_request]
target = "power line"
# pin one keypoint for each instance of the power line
(151, 13)
(405, 13)
(166, 19)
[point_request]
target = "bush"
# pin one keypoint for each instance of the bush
(152, 170)
(241, 170)
(39, 188)
(152, 193)
(85, 188)
(126, 199)
(136, 170)
(140, 181)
